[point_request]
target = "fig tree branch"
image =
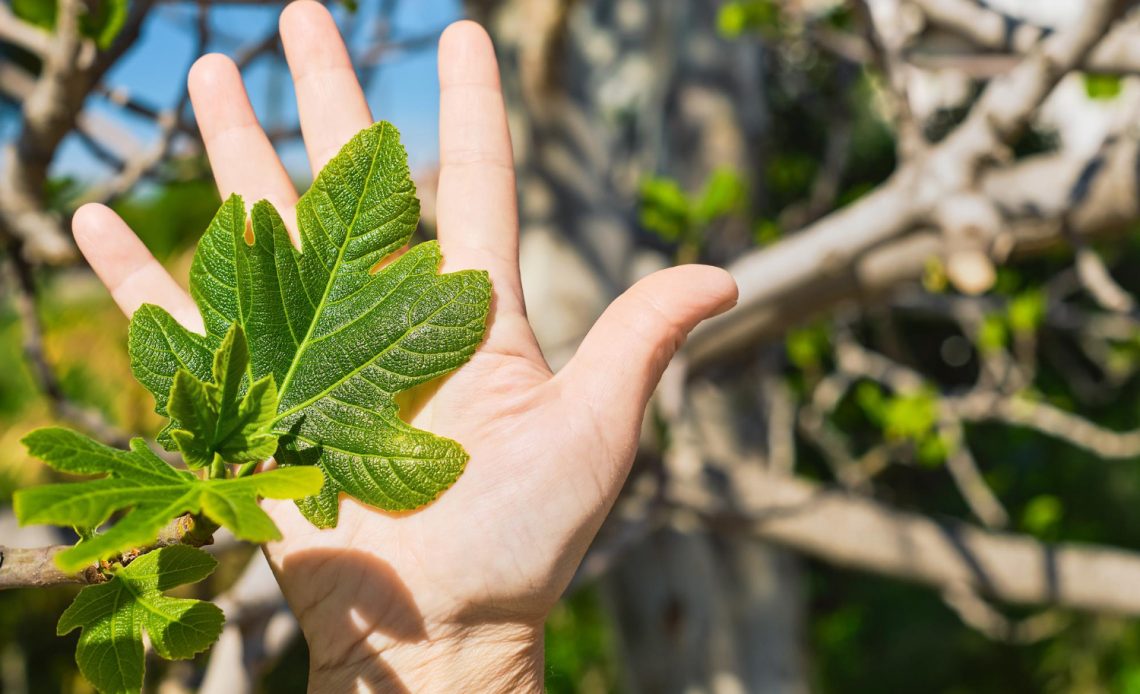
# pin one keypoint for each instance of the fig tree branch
(856, 532)
(72, 67)
(885, 237)
(35, 568)
(859, 533)
(987, 28)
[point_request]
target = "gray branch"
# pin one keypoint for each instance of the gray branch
(887, 237)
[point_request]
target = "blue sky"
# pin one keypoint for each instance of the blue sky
(405, 89)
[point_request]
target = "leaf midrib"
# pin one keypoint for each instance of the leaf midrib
(113, 493)
(238, 240)
(375, 358)
(112, 463)
(138, 600)
(426, 459)
(288, 380)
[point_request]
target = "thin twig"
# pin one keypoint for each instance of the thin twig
(962, 467)
(887, 44)
(975, 612)
(1048, 420)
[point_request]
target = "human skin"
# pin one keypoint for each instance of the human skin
(451, 597)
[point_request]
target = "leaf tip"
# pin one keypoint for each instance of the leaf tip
(67, 562)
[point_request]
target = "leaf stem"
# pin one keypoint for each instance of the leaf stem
(247, 469)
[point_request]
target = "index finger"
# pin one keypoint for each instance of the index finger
(127, 268)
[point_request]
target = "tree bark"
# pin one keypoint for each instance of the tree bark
(704, 612)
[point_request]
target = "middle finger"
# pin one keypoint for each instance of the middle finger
(330, 102)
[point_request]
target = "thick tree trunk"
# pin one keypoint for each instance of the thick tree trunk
(706, 613)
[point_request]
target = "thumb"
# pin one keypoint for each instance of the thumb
(622, 358)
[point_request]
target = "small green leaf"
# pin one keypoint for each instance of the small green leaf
(1042, 515)
(732, 19)
(340, 337)
(767, 232)
(870, 398)
(113, 616)
(807, 346)
(740, 16)
(101, 21)
(104, 20)
(993, 335)
(665, 210)
(1103, 87)
(723, 195)
(934, 277)
(154, 492)
(214, 419)
(41, 13)
(1027, 311)
(910, 417)
(932, 450)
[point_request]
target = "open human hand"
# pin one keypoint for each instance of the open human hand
(450, 597)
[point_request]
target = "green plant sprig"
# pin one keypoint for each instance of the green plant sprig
(303, 354)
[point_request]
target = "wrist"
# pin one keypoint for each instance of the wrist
(500, 657)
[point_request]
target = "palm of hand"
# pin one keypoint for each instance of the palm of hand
(491, 546)
(548, 453)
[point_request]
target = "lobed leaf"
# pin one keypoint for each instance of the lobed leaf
(113, 616)
(340, 337)
(154, 492)
(216, 422)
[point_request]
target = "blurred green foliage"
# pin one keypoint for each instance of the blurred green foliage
(678, 218)
(742, 16)
(1042, 515)
(808, 346)
(581, 651)
(1026, 311)
(1103, 86)
(102, 21)
(868, 632)
(170, 218)
(910, 418)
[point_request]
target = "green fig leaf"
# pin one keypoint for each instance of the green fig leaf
(113, 616)
(341, 332)
(215, 421)
(154, 492)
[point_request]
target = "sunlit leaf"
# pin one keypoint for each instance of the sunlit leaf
(217, 422)
(340, 338)
(154, 492)
(114, 615)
